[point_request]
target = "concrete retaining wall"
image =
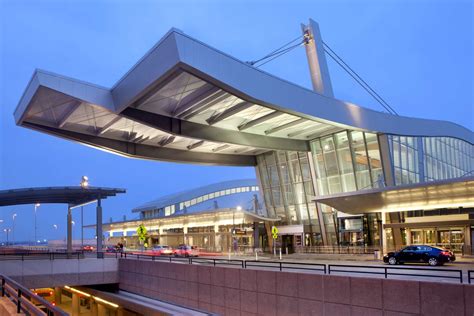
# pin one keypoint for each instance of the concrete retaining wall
(233, 291)
(59, 272)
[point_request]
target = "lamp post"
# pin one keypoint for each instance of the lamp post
(36, 227)
(7, 230)
(13, 229)
(84, 185)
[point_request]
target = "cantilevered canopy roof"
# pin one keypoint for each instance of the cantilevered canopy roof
(185, 101)
(58, 195)
(424, 196)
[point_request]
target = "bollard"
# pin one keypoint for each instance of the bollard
(280, 253)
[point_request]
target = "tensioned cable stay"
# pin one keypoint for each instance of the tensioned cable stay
(276, 51)
(358, 78)
(331, 53)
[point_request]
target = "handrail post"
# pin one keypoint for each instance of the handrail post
(3, 286)
(18, 305)
(190, 260)
(324, 269)
(214, 261)
(385, 268)
(280, 266)
(329, 269)
(460, 276)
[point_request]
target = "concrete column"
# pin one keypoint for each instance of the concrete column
(256, 235)
(101, 310)
(57, 295)
(384, 234)
(69, 230)
(94, 310)
(76, 306)
(98, 230)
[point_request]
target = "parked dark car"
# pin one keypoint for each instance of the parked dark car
(420, 254)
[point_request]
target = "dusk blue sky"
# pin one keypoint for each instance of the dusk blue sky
(417, 54)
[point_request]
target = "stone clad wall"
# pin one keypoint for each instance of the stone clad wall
(234, 291)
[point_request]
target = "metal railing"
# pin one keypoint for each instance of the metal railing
(385, 271)
(336, 249)
(469, 276)
(44, 255)
(25, 300)
(286, 266)
(398, 271)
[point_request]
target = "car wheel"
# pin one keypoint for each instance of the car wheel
(392, 260)
(433, 261)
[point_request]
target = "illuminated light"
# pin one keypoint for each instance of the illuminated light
(98, 299)
(77, 291)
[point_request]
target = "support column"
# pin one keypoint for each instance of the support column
(57, 295)
(76, 306)
(98, 230)
(94, 309)
(256, 235)
(101, 310)
(69, 230)
(318, 67)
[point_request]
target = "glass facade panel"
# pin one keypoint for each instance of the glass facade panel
(290, 183)
(420, 159)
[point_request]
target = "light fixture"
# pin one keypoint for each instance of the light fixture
(84, 182)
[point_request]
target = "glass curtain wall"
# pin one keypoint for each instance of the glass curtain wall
(286, 182)
(420, 159)
(344, 162)
(347, 161)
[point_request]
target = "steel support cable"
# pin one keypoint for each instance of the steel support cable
(274, 52)
(287, 50)
(358, 78)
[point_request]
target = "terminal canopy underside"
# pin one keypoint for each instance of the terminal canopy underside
(424, 196)
(182, 114)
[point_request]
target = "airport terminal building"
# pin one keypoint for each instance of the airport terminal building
(329, 171)
(211, 217)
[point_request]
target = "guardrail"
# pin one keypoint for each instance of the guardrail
(385, 271)
(27, 301)
(388, 271)
(285, 265)
(43, 255)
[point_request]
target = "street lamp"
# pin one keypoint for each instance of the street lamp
(36, 207)
(84, 185)
(13, 228)
(7, 230)
(84, 182)
(55, 226)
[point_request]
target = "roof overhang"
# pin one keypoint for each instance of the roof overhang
(185, 101)
(181, 220)
(72, 196)
(423, 196)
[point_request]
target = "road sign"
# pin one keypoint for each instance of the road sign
(141, 232)
(274, 232)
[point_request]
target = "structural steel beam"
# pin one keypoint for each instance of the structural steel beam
(107, 126)
(229, 112)
(285, 126)
(201, 95)
(210, 133)
(166, 140)
(204, 105)
(259, 120)
(222, 147)
(68, 113)
(195, 145)
(144, 151)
